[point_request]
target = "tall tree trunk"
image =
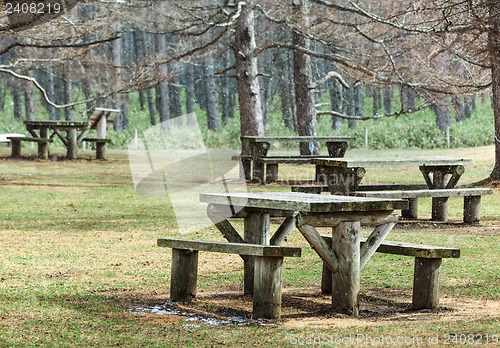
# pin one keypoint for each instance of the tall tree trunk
(117, 49)
(68, 98)
(151, 106)
(162, 91)
(304, 93)
(29, 100)
(246, 69)
(175, 101)
(388, 94)
(211, 96)
(494, 50)
(18, 104)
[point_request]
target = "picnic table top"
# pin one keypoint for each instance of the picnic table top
(296, 138)
(303, 202)
(63, 124)
(392, 161)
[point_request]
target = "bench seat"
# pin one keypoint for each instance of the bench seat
(371, 187)
(43, 152)
(428, 260)
(100, 150)
(472, 201)
(267, 278)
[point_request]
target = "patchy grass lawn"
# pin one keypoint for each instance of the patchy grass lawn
(79, 261)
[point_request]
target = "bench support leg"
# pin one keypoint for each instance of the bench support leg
(472, 209)
(272, 172)
(184, 275)
(267, 287)
(258, 172)
(426, 283)
(440, 209)
(412, 211)
(100, 150)
(346, 281)
(246, 169)
(256, 232)
(16, 148)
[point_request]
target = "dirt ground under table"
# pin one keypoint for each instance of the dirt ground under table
(307, 307)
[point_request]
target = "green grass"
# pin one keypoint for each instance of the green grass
(79, 250)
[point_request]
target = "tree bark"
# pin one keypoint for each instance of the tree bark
(248, 83)
(211, 96)
(304, 92)
(494, 50)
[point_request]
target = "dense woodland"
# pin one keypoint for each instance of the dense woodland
(311, 58)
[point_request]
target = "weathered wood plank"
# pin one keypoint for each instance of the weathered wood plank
(388, 162)
(230, 248)
(346, 282)
(303, 202)
(296, 138)
(333, 219)
(367, 187)
(455, 192)
(284, 230)
(320, 246)
(411, 249)
(370, 246)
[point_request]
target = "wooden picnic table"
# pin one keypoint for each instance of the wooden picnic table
(343, 175)
(345, 214)
(336, 146)
(75, 132)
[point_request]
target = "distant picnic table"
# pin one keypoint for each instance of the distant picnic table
(71, 133)
(259, 162)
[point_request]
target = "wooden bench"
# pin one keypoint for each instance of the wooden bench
(371, 187)
(43, 148)
(472, 201)
(267, 277)
(100, 150)
(427, 270)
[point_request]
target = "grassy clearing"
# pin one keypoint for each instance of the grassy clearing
(79, 251)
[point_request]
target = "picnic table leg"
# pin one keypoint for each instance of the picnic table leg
(346, 281)
(72, 144)
(343, 181)
(256, 232)
(336, 149)
(43, 146)
(439, 204)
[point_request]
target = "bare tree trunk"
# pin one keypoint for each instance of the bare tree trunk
(17, 103)
(494, 48)
(29, 100)
(151, 106)
(304, 93)
(211, 95)
(162, 89)
(246, 68)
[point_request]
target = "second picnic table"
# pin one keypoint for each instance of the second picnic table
(343, 175)
(259, 145)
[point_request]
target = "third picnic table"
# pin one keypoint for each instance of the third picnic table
(336, 146)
